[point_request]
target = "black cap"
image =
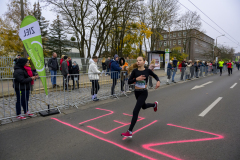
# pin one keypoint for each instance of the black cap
(65, 57)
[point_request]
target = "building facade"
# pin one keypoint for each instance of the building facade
(197, 45)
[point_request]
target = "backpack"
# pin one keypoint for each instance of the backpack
(180, 66)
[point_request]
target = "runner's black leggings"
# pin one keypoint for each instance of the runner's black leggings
(141, 97)
(229, 70)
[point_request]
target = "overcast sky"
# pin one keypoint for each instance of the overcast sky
(225, 13)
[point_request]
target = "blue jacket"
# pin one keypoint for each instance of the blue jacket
(169, 69)
(115, 69)
(175, 63)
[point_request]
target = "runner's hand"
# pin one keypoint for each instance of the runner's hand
(33, 78)
(140, 78)
(157, 85)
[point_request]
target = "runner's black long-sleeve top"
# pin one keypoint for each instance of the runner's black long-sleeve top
(136, 73)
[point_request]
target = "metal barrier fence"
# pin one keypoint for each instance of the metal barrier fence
(78, 89)
(7, 65)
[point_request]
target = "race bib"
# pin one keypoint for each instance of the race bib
(140, 84)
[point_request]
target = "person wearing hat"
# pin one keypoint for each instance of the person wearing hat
(65, 72)
(169, 71)
(22, 86)
(115, 72)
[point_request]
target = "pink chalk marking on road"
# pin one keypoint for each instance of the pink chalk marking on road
(124, 124)
(147, 146)
(142, 128)
(111, 112)
(106, 140)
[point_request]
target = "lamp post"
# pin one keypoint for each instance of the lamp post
(216, 43)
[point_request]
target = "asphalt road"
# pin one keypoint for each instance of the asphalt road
(175, 131)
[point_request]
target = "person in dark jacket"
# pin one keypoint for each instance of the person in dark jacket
(115, 70)
(170, 68)
(175, 62)
(197, 67)
(104, 66)
(65, 72)
(183, 68)
(22, 85)
(75, 72)
(53, 67)
(70, 69)
(107, 62)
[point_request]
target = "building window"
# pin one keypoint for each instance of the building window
(174, 34)
(160, 43)
(179, 51)
(179, 42)
(184, 33)
(170, 35)
(165, 36)
(165, 43)
(170, 43)
(184, 41)
(179, 34)
(174, 42)
(183, 51)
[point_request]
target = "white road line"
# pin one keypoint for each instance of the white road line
(210, 107)
(233, 85)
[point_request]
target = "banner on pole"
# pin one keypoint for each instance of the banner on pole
(30, 34)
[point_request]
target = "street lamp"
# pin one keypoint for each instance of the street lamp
(216, 43)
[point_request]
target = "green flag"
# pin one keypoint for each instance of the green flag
(30, 34)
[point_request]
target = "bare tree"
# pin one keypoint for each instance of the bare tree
(163, 15)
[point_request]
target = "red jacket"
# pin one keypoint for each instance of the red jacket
(229, 65)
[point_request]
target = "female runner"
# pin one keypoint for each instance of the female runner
(140, 76)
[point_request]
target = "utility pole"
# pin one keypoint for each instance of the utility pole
(22, 17)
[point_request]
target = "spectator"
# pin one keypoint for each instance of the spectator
(22, 85)
(65, 72)
(32, 66)
(238, 65)
(107, 62)
(152, 67)
(191, 69)
(61, 60)
(169, 71)
(16, 59)
(187, 72)
(124, 66)
(93, 76)
(53, 67)
(75, 71)
(197, 66)
(115, 70)
(104, 66)
(70, 70)
(175, 62)
(183, 68)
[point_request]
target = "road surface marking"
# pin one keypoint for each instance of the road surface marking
(210, 107)
(233, 85)
(196, 87)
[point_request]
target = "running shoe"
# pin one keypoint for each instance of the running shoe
(156, 106)
(29, 114)
(127, 134)
(21, 117)
(95, 99)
